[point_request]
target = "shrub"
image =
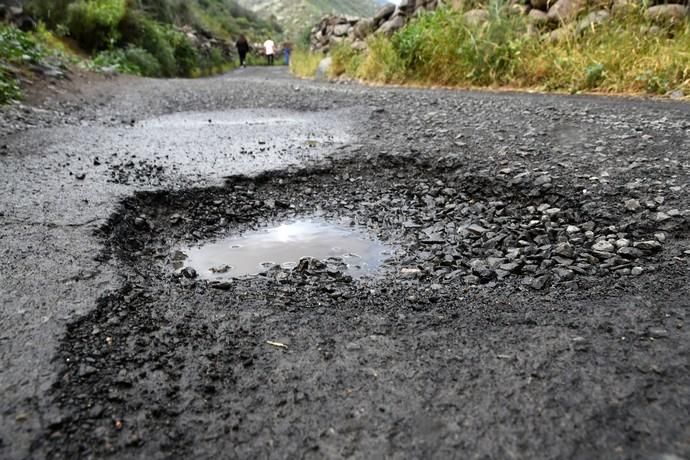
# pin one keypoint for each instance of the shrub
(186, 55)
(52, 12)
(94, 23)
(18, 46)
(9, 88)
(440, 47)
(142, 32)
(303, 63)
(131, 60)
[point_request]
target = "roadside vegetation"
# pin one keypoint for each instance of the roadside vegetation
(627, 54)
(304, 63)
(21, 49)
(152, 38)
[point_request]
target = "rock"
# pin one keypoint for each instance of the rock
(593, 19)
(471, 279)
(540, 5)
(636, 271)
(622, 243)
(667, 14)
(603, 246)
(477, 229)
(510, 267)
(222, 286)
(564, 274)
(630, 253)
(661, 217)
(391, 26)
(538, 17)
(572, 229)
(632, 205)
(322, 73)
(476, 17)
(580, 344)
(408, 273)
(384, 13)
(178, 256)
(540, 282)
(364, 28)
(565, 11)
(341, 30)
(649, 245)
(657, 332)
(189, 273)
(565, 250)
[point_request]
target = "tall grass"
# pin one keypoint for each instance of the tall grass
(625, 55)
(303, 63)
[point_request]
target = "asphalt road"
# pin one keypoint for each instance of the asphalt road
(511, 323)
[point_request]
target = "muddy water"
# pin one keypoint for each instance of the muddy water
(284, 245)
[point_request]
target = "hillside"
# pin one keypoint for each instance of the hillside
(297, 15)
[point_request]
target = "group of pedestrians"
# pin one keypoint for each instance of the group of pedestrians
(269, 46)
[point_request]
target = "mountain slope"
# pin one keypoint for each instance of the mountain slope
(297, 15)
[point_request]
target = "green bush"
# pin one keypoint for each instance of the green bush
(18, 46)
(52, 12)
(9, 89)
(131, 60)
(186, 55)
(142, 32)
(94, 23)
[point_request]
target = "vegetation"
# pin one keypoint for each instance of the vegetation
(16, 48)
(303, 63)
(144, 37)
(626, 55)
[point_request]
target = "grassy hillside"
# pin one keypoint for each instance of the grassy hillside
(222, 18)
(160, 38)
(155, 38)
(297, 15)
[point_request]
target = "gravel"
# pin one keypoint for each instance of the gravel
(524, 312)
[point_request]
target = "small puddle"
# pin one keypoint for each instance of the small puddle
(284, 245)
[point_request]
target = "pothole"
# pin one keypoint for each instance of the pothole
(301, 244)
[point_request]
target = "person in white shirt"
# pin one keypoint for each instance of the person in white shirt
(270, 49)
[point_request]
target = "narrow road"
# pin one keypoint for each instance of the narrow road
(535, 304)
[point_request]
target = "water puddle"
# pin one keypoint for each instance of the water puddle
(253, 253)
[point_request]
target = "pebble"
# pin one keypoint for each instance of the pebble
(632, 205)
(649, 245)
(603, 246)
(657, 332)
(580, 344)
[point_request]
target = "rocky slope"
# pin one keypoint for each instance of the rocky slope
(296, 15)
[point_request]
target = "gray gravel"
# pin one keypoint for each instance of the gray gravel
(536, 306)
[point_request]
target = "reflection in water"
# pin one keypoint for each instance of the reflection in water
(285, 245)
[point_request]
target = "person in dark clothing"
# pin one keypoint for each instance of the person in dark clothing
(242, 49)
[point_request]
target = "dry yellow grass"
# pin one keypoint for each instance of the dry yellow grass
(625, 55)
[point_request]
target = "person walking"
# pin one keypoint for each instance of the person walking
(242, 46)
(270, 49)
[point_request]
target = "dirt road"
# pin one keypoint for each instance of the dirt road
(534, 305)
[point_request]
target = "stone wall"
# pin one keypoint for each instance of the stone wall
(552, 19)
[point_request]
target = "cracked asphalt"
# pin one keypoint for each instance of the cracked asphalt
(505, 327)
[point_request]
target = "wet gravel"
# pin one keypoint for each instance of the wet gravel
(535, 307)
